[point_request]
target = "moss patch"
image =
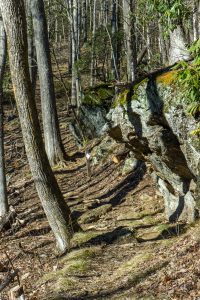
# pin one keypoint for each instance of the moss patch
(122, 98)
(82, 254)
(76, 262)
(133, 265)
(167, 78)
(80, 238)
(95, 214)
(101, 95)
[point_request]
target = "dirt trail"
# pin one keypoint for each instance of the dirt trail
(125, 240)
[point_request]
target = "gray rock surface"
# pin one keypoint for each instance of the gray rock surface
(151, 121)
(154, 125)
(91, 120)
(130, 165)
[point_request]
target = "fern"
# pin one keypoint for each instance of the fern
(188, 77)
(194, 108)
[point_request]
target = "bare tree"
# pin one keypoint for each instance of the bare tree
(129, 30)
(3, 189)
(53, 144)
(57, 211)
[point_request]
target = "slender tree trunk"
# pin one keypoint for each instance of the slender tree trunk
(162, 44)
(114, 50)
(92, 67)
(73, 16)
(84, 20)
(3, 189)
(129, 30)
(56, 209)
(70, 53)
(32, 62)
(53, 144)
(31, 48)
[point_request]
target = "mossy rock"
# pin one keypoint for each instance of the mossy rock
(122, 97)
(95, 214)
(81, 238)
(161, 231)
(101, 95)
(167, 78)
(143, 220)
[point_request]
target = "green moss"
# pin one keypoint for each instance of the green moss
(75, 262)
(167, 78)
(122, 97)
(80, 238)
(101, 95)
(133, 265)
(63, 284)
(83, 254)
(75, 266)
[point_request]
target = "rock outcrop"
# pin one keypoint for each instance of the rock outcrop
(151, 120)
(154, 125)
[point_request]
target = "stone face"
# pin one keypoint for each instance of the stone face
(130, 165)
(92, 119)
(154, 125)
(105, 148)
(178, 46)
(151, 121)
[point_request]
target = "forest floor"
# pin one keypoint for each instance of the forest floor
(126, 250)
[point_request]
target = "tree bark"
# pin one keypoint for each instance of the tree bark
(129, 30)
(32, 59)
(73, 16)
(92, 67)
(114, 42)
(57, 211)
(3, 188)
(53, 144)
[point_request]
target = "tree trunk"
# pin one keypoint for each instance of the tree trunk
(92, 67)
(114, 42)
(73, 16)
(31, 48)
(3, 189)
(84, 20)
(57, 212)
(53, 144)
(129, 30)
(162, 44)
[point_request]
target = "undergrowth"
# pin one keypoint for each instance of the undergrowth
(188, 77)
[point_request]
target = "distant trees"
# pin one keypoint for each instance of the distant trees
(3, 188)
(57, 212)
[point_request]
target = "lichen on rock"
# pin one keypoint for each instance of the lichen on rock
(151, 120)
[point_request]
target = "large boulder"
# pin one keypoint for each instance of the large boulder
(91, 115)
(151, 120)
(153, 123)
